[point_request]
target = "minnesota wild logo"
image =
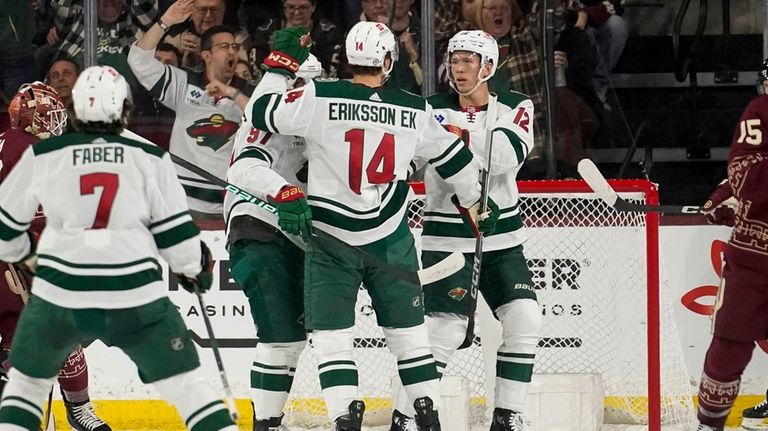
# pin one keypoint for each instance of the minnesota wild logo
(213, 132)
(457, 293)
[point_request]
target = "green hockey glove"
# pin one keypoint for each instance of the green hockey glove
(484, 223)
(291, 48)
(294, 215)
(204, 279)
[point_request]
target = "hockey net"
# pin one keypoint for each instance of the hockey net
(606, 305)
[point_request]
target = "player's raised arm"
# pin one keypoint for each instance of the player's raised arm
(151, 73)
(273, 109)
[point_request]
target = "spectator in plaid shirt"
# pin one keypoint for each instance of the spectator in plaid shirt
(118, 25)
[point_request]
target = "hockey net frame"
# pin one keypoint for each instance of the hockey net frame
(666, 399)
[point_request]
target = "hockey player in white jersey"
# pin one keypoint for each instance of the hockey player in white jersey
(505, 280)
(114, 206)
(267, 262)
(360, 141)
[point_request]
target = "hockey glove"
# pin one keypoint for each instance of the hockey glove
(204, 279)
(721, 206)
(294, 215)
(485, 223)
(290, 49)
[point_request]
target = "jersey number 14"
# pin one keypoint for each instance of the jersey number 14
(381, 168)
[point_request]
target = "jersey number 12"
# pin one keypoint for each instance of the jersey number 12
(383, 157)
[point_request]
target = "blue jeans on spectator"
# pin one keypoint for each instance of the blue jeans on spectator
(16, 71)
(609, 40)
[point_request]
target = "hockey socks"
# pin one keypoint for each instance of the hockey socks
(723, 366)
(23, 399)
(199, 405)
(521, 322)
(336, 369)
(271, 377)
(73, 377)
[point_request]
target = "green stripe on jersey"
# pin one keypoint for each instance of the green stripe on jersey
(349, 91)
(455, 163)
(71, 139)
(517, 143)
(19, 417)
(460, 230)
(256, 153)
(84, 283)
(387, 191)
(351, 224)
(8, 233)
(208, 195)
(167, 219)
(176, 234)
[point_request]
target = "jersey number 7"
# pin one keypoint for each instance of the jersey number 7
(109, 183)
(383, 157)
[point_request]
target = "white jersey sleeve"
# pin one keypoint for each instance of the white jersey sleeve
(165, 82)
(512, 136)
(18, 205)
(451, 159)
(251, 167)
(279, 112)
(170, 222)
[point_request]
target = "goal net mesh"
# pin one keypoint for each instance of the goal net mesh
(591, 274)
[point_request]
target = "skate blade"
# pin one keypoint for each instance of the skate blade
(754, 424)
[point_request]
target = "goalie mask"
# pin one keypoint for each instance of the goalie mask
(762, 75)
(101, 94)
(477, 42)
(368, 44)
(38, 110)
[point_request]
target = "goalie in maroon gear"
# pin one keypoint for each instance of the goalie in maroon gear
(37, 112)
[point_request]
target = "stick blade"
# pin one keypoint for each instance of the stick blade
(597, 182)
(442, 269)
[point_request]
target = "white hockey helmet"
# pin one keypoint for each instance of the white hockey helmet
(311, 68)
(479, 42)
(99, 95)
(368, 44)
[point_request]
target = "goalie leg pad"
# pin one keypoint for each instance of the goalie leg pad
(23, 400)
(521, 322)
(196, 400)
(271, 377)
(415, 364)
(336, 368)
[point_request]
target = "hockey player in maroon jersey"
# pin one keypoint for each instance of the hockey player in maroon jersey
(36, 112)
(740, 316)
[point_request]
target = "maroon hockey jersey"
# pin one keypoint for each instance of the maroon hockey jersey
(748, 177)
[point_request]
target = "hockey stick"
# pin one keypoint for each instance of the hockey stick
(229, 397)
(18, 285)
(477, 259)
(438, 271)
(607, 194)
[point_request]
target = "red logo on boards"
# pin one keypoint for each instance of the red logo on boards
(690, 299)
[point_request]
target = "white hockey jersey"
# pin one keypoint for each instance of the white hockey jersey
(262, 163)
(512, 141)
(113, 207)
(360, 144)
(204, 129)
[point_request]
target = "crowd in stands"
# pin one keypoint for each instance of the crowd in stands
(44, 40)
